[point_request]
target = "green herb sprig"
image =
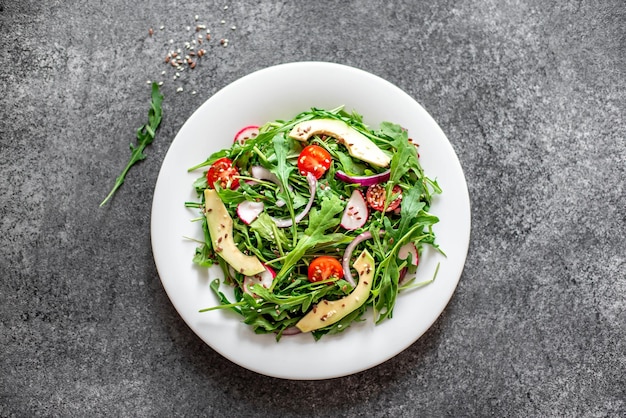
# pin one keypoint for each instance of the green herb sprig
(145, 136)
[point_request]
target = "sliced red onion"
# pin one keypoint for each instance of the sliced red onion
(364, 180)
(402, 275)
(287, 222)
(248, 211)
(291, 331)
(265, 279)
(356, 213)
(263, 173)
(347, 255)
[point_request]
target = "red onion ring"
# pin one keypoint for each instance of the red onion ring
(263, 173)
(287, 222)
(291, 331)
(364, 180)
(347, 275)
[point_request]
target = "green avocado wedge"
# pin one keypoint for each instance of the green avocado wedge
(221, 230)
(328, 312)
(358, 145)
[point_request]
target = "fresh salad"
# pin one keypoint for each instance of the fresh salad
(314, 220)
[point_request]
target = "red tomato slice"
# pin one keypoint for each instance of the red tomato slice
(323, 268)
(223, 173)
(375, 197)
(315, 160)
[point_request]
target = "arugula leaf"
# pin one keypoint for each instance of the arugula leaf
(282, 171)
(145, 136)
(266, 228)
(405, 157)
(409, 210)
(350, 167)
(319, 221)
(225, 303)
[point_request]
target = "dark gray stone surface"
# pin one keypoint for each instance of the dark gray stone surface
(532, 96)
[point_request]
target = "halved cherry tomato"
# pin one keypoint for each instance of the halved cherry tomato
(315, 160)
(223, 173)
(375, 197)
(323, 268)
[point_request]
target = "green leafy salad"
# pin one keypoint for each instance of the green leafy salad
(313, 221)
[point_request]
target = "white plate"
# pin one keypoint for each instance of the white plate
(281, 92)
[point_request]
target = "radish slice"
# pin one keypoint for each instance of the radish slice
(405, 250)
(265, 279)
(355, 214)
(263, 173)
(287, 222)
(248, 211)
(249, 132)
(364, 180)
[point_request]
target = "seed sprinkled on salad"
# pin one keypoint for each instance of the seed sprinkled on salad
(328, 217)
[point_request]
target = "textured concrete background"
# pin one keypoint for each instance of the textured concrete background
(532, 96)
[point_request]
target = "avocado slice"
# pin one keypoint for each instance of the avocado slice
(328, 312)
(221, 230)
(358, 145)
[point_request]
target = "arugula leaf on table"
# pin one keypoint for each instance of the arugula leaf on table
(145, 136)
